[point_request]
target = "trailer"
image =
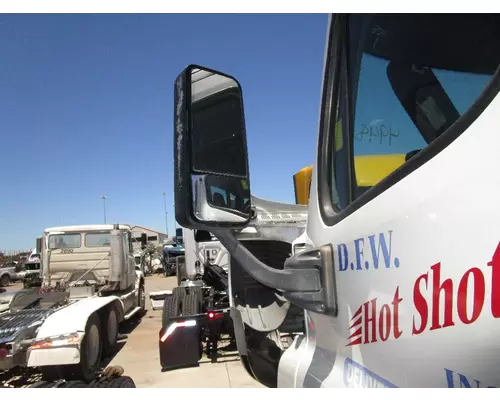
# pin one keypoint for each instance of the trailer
(89, 286)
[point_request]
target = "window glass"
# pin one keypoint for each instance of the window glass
(411, 78)
(64, 241)
(228, 193)
(97, 239)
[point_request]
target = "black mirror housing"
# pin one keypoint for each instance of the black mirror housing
(211, 174)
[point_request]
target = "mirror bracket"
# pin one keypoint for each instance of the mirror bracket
(307, 279)
(323, 301)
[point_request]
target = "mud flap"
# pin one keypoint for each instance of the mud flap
(180, 343)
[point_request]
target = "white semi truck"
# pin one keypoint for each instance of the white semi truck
(393, 278)
(90, 285)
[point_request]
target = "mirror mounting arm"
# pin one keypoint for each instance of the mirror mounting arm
(306, 280)
(286, 280)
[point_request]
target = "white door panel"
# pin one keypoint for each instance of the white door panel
(437, 226)
(417, 268)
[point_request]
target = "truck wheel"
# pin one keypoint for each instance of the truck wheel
(141, 300)
(120, 382)
(110, 331)
(5, 280)
(171, 305)
(90, 352)
(193, 301)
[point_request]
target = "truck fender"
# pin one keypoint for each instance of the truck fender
(73, 318)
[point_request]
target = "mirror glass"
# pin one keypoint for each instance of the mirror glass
(217, 125)
(221, 198)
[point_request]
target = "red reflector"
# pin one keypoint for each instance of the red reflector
(4, 353)
(213, 315)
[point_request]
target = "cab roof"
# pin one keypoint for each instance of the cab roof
(85, 228)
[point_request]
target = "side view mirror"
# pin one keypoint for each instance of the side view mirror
(212, 186)
(39, 245)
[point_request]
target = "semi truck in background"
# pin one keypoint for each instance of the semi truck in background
(90, 285)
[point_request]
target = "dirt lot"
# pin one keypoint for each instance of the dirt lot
(139, 356)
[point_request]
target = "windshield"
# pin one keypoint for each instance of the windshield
(64, 241)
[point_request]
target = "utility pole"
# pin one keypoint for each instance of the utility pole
(104, 198)
(166, 213)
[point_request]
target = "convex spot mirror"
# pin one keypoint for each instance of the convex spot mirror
(212, 187)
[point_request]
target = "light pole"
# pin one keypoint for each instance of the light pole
(166, 213)
(104, 207)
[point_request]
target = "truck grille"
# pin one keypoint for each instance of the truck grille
(13, 323)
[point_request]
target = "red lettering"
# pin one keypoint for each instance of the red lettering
(447, 287)
(478, 298)
(420, 305)
(368, 319)
(395, 304)
(495, 282)
(384, 322)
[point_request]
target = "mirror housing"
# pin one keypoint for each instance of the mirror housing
(212, 187)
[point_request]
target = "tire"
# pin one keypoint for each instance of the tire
(87, 368)
(193, 301)
(5, 280)
(141, 300)
(172, 305)
(120, 382)
(110, 331)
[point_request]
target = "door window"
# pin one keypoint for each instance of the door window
(408, 80)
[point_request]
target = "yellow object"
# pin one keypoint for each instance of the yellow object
(370, 170)
(302, 185)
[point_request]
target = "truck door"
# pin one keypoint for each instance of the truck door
(416, 256)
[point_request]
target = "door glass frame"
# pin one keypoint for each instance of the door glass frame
(336, 76)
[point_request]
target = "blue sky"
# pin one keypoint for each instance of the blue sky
(86, 110)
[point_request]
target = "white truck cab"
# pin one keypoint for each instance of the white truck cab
(89, 286)
(399, 281)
